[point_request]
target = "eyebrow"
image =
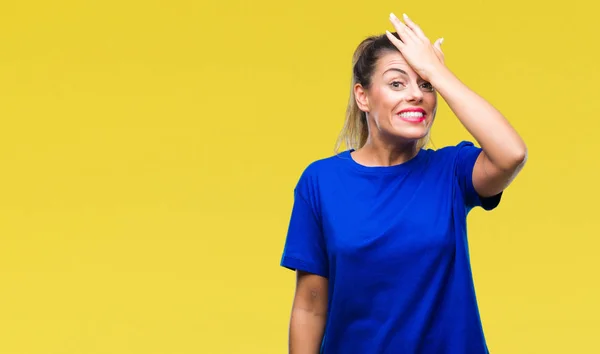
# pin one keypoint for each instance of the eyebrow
(396, 69)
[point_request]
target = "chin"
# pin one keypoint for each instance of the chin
(411, 133)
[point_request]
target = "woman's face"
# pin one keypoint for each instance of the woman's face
(399, 104)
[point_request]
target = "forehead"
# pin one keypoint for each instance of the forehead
(393, 60)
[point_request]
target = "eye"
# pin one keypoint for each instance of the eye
(427, 86)
(397, 84)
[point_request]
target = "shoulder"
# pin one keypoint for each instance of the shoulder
(325, 165)
(463, 146)
(464, 152)
(319, 169)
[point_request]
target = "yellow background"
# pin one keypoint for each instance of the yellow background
(149, 150)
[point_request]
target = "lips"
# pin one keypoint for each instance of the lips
(413, 115)
(414, 109)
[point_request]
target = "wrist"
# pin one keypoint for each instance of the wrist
(441, 77)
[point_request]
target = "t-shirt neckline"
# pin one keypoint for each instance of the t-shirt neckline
(381, 169)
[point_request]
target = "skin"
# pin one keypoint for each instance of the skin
(504, 151)
(394, 86)
(393, 141)
(309, 314)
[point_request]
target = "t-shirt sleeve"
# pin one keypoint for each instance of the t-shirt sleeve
(467, 154)
(304, 247)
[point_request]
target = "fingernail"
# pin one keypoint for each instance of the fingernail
(441, 41)
(392, 16)
(405, 16)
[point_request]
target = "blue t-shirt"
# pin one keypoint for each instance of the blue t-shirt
(392, 242)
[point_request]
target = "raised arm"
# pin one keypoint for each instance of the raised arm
(504, 152)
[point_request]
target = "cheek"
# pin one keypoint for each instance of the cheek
(382, 102)
(430, 101)
(430, 105)
(430, 98)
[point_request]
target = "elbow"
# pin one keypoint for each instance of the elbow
(520, 156)
(313, 303)
(517, 159)
(514, 159)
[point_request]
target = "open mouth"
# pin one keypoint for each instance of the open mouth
(413, 116)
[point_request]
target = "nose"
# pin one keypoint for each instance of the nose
(414, 94)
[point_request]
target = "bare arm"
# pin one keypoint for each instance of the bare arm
(309, 314)
(504, 152)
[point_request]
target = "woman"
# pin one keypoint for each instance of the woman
(377, 234)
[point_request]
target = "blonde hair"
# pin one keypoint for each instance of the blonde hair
(355, 131)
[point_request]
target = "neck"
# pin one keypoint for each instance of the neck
(379, 153)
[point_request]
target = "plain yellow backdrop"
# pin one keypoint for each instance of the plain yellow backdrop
(149, 150)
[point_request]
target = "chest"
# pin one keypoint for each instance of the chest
(376, 221)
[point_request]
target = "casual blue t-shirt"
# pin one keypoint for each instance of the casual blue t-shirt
(392, 242)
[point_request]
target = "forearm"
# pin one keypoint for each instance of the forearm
(500, 142)
(306, 331)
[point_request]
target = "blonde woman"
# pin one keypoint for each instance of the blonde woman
(377, 234)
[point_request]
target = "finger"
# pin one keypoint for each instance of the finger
(438, 48)
(438, 44)
(415, 28)
(403, 30)
(395, 41)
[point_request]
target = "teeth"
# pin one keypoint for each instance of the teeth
(411, 114)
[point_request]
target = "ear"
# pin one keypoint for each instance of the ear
(360, 95)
